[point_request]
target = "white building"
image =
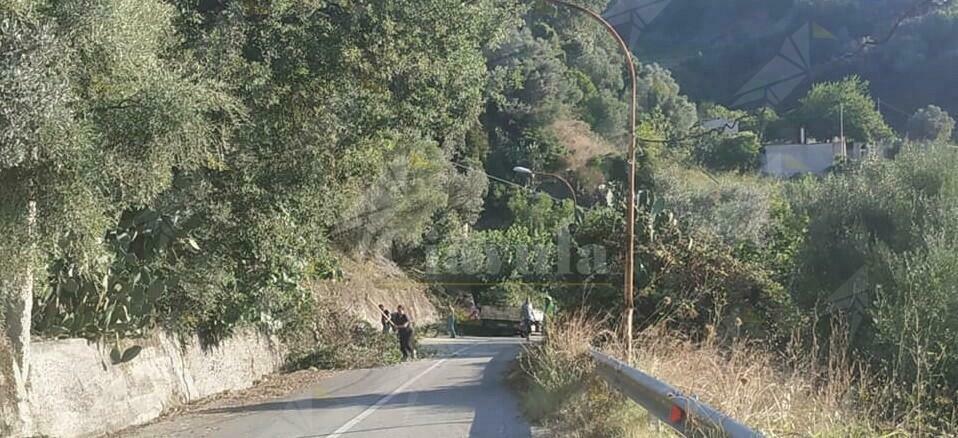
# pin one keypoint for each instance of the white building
(787, 160)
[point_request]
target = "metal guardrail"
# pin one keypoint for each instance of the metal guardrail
(689, 417)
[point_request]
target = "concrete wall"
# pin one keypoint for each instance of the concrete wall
(75, 390)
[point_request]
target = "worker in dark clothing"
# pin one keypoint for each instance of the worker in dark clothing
(404, 327)
(385, 319)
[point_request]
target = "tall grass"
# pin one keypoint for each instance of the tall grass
(782, 392)
(560, 389)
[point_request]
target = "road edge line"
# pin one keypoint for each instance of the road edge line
(338, 433)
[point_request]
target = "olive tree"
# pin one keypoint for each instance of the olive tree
(930, 123)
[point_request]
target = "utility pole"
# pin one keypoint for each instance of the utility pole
(629, 298)
(841, 112)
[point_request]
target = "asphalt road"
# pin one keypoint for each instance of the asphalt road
(461, 392)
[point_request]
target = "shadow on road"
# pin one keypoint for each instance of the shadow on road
(494, 409)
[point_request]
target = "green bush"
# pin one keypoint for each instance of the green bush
(731, 152)
(363, 347)
(894, 222)
(329, 337)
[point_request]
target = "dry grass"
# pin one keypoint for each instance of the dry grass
(781, 394)
(560, 390)
(582, 143)
(367, 283)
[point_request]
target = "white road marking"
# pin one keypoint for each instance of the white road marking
(338, 433)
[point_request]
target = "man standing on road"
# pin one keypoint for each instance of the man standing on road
(451, 322)
(528, 316)
(384, 319)
(404, 328)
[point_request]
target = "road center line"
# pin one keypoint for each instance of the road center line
(369, 411)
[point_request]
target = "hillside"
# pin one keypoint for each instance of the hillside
(366, 284)
(725, 49)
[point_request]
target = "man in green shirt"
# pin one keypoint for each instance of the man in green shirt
(548, 313)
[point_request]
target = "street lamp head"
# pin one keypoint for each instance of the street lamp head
(522, 170)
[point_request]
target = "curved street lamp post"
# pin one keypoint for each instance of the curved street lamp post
(530, 172)
(630, 207)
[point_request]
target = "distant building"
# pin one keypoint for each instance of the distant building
(787, 160)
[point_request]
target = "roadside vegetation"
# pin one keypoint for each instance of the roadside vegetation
(780, 392)
(739, 311)
(199, 166)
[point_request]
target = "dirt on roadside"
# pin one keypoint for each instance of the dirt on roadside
(270, 387)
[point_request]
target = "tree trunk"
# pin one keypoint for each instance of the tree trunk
(18, 316)
(15, 347)
(18, 308)
(13, 418)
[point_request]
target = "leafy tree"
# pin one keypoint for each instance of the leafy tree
(658, 91)
(606, 113)
(761, 122)
(530, 84)
(732, 208)
(95, 124)
(540, 214)
(821, 111)
(930, 124)
(397, 206)
(891, 220)
(734, 152)
(242, 134)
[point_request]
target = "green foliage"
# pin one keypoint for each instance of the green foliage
(540, 214)
(496, 256)
(606, 113)
(87, 134)
(123, 300)
(530, 82)
(720, 150)
(761, 122)
(251, 131)
(895, 220)
(530, 87)
(931, 124)
(733, 208)
(821, 112)
(915, 324)
(659, 92)
(366, 348)
(329, 337)
(397, 206)
(906, 48)
(561, 391)
(508, 264)
(98, 123)
(893, 204)
(733, 152)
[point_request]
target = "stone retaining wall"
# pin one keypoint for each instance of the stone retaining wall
(75, 390)
(72, 388)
